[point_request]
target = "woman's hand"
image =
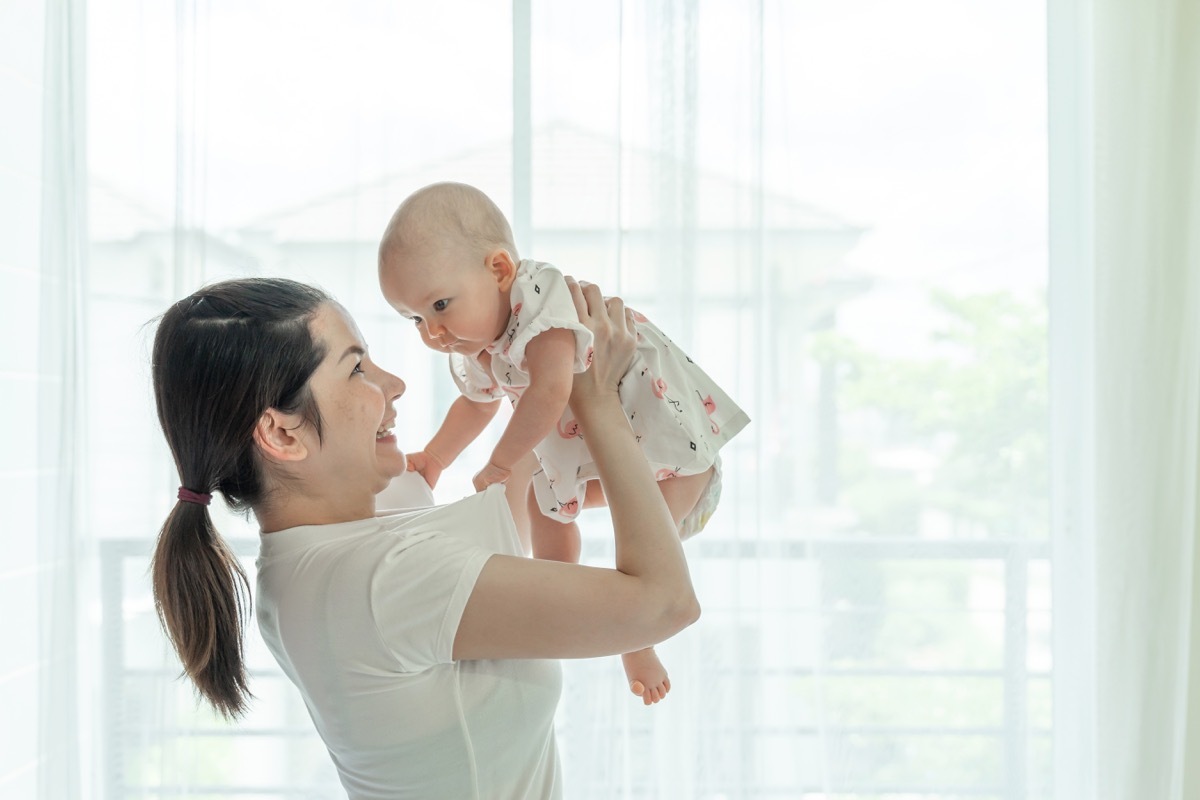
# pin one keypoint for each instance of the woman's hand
(613, 345)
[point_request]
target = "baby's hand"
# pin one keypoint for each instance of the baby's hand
(426, 463)
(489, 475)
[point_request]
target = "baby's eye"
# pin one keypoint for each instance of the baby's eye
(415, 320)
(440, 305)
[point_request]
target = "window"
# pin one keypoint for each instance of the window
(838, 209)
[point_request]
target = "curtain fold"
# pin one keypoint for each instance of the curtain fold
(1147, 343)
(736, 172)
(61, 395)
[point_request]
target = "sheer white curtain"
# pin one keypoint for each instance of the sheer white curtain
(1126, 377)
(44, 580)
(63, 534)
(21, 49)
(840, 211)
(1147, 345)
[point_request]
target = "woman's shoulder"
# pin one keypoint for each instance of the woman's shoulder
(482, 518)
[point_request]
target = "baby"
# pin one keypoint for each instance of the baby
(447, 262)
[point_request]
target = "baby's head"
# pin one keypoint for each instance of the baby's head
(447, 261)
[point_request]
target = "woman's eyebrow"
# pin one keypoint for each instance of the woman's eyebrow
(352, 349)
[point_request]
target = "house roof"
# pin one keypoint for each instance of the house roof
(114, 215)
(568, 161)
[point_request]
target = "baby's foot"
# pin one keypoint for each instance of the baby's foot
(647, 676)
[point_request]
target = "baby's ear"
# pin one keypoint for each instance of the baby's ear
(503, 268)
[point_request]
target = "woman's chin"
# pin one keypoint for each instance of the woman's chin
(390, 457)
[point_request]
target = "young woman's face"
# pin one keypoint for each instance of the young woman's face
(457, 303)
(357, 447)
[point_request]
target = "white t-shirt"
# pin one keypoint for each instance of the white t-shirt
(362, 617)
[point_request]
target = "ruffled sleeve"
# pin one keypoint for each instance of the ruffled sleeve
(473, 380)
(541, 301)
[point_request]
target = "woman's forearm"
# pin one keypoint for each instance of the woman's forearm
(647, 543)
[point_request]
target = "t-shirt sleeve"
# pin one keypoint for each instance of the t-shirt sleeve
(421, 581)
(473, 380)
(541, 301)
(418, 591)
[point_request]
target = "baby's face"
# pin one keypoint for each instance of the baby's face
(455, 300)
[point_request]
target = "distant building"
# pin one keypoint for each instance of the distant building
(725, 267)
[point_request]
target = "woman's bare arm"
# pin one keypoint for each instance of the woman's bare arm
(525, 608)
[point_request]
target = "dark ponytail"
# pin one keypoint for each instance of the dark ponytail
(221, 358)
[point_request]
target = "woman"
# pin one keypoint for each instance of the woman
(414, 637)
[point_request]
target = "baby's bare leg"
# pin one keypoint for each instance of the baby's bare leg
(647, 676)
(552, 540)
(515, 489)
(683, 493)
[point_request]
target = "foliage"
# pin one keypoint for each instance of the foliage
(975, 404)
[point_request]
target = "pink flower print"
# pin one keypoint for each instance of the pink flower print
(659, 387)
(516, 312)
(587, 359)
(568, 431)
(709, 405)
(569, 508)
(665, 474)
(716, 429)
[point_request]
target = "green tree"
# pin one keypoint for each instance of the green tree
(976, 404)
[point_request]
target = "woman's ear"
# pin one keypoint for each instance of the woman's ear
(500, 263)
(275, 435)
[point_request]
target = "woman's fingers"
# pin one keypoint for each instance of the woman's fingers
(611, 324)
(589, 293)
(576, 290)
(595, 300)
(616, 310)
(590, 304)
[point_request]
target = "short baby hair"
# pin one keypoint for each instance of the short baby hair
(447, 214)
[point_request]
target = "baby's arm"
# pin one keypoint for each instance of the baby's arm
(465, 420)
(549, 358)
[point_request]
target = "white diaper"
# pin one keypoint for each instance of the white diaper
(694, 522)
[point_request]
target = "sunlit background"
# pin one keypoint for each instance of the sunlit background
(838, 209)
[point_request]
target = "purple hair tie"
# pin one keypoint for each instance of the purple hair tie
(199, 498)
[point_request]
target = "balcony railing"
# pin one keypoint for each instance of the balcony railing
(1013, 739)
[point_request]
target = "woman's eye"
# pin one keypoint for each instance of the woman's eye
(440, 305)
(357, 368)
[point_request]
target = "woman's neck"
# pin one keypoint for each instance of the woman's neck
(291, 509)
